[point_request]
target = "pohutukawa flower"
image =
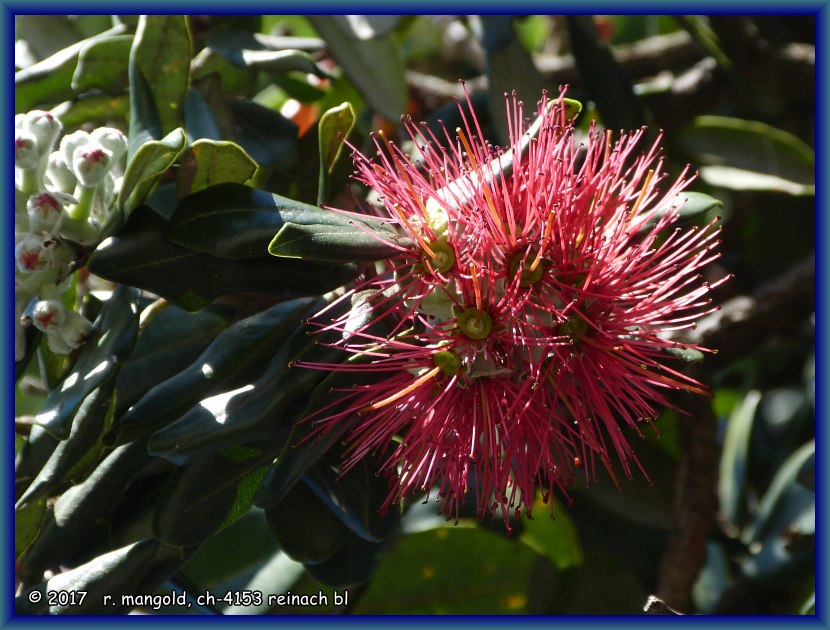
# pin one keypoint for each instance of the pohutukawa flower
(529, 326)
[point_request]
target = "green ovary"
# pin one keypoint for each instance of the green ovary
(475, 324)
(444, 257)
(528, 277)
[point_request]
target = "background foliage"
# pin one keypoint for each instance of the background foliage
(127, 483)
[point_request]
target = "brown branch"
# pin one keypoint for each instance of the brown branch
(778, 308)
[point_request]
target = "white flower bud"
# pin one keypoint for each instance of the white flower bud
(18, 121)
(45, 128)
(26, 155)
(33, 254)
(91, 164)
(48, 315)
(112, 140)
(19, 333)
(75, 330)
(60, 175)
(70, 142)
(57, 344)
(44, 210)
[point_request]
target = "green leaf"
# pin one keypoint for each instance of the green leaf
(87, 426)
(257, 410)
(335, 243)
(605, 80)
(27, 523)
(334, 128)
(355, 498)
(451, 570)
(351, 565)
(234, 221)
(263, 52)
(691, 205)
(141, 256)
(145, 167)
(786, 501)
(267, 136)
(372, 61)
(749, 155)
(81, 511)
(306, 529)
(50, 81)
(171, 341)
(236, 355)
(102, 64)
(35, 452)
(505, 53)
(109, 575)
(113, 335)
(98, 109)
(161, 54)
(199, 118)
(553, 535)
(199, 499)
(207, 163)
(303, 448)
(735, 458)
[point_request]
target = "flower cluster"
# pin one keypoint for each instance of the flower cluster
(528, 328)
(61, 199)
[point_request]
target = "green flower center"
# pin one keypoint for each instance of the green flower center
(574, 327)
(444, 257)
(528, 276)
(449, 363)
(475, 324)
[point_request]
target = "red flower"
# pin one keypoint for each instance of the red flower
(529, 326)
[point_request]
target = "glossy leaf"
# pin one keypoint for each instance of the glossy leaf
(263, 52)
(421, 575)
(373, 63)
(786, 500)
(734, 458)
(554, 535)
(161, 54)
(259, 409)
(305, 446)
(355, 498)
(171, 341)
(27, 524)
(87, 426)
(334, 128)
(267, 136)
(198, 498)
(199, 118)
(113, 336)
(145, 167)
(690, 205)
(94, 108)
(335, 243)
(35, 452)
(207, 163)
(606, 82)
(504, 54)
(80, 512)
(102, 64)
(306, 529)
(235, 221)
(50, 81)
(749, 155)
(140, 255)
(352, 564)
(112, 574)
(236, 355)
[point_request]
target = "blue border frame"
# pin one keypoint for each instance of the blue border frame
(819, 8)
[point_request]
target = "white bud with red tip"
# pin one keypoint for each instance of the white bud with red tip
(91, 164)
(44, 210)
(45, 127)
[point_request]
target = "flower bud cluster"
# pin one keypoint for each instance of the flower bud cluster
(63, 192)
